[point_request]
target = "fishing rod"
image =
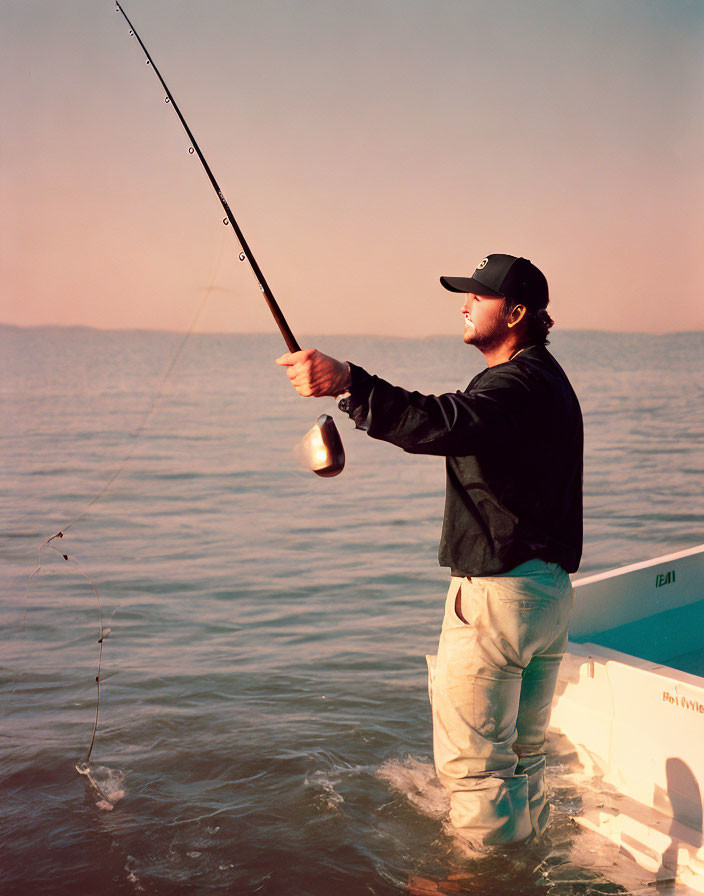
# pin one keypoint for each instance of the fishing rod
(326, 456)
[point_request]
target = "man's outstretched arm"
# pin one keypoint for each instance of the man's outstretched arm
(450, 424)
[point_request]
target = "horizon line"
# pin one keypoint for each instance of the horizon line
(273, 332)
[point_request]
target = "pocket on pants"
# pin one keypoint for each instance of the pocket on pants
(464, 605)
(524, 606)
(458, 607)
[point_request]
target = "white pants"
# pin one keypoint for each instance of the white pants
(491, 688)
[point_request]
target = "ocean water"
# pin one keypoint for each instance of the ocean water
(263, 723)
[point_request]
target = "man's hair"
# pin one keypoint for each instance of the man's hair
(538, 321)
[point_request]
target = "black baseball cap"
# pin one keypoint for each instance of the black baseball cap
(504, 276)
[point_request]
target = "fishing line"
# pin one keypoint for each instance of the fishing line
(83, 768)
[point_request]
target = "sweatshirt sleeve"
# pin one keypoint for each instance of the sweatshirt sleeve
(453, 424)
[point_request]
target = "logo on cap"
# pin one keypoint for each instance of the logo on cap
(482, 264)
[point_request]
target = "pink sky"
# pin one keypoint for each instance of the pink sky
(365, 148)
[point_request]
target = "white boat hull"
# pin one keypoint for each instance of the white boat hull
(637, 724)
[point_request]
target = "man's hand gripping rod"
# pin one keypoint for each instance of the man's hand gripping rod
(330, 459)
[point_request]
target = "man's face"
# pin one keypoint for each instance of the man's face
(485, 322)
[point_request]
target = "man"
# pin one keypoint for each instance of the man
(512, 532)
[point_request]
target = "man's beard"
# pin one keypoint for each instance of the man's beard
(482, 341)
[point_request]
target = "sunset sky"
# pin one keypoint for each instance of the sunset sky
(365, 146)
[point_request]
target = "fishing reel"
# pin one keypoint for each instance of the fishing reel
(322, 447)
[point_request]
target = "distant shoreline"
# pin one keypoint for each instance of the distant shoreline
(273, 333)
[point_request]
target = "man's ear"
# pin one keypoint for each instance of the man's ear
(518, 312)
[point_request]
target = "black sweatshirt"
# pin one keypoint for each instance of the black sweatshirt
(513, 446)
